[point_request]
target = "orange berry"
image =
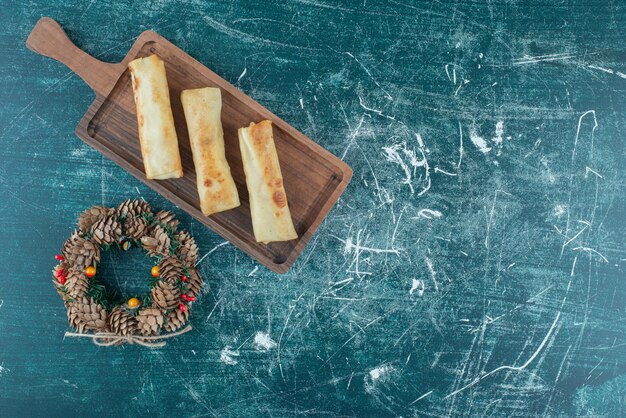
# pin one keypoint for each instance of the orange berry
(90, 271)
(155, 271)
(133, 303)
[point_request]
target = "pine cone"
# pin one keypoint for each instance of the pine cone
(106, 231)
(76, 284)
(135, 227)
(176, 319)
(170, 269)
(164, 217)
(86, 314)
(149, 321)
(72, 240)
(60, 287)
(187, 250)
(194, 283)
(158, 243)
(166, 295)
(133, 207)
(80, 252)
(91, 216)
(122, 322)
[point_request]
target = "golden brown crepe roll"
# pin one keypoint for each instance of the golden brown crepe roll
(216, 186)
(271, 219)
(157, 136)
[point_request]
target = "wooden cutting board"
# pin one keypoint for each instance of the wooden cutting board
(313, 177)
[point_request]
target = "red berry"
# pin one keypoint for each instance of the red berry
(191, 298)
(59, 272)
(62, 279)
(183, 296)
(182, 307)
(184, 278)
(58, 257)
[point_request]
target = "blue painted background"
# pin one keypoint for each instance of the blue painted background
(474, 266)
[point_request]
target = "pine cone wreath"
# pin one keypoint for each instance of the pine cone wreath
(87, 315)
(188, 250)
(158, 244)
(176, 319)
(80, 252)
(166, 295)
(175, 285)
(170, 269)
(194, 283)
(91, 216)
(106, 231)
(135, 207)
(164, 217)
(135, 227)
(122, 322)
(149, 321)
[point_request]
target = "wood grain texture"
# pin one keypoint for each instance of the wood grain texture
(474, 270)
(314, 178)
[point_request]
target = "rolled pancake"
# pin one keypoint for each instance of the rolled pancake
(271, 219)
(216, 187)
(157, 135)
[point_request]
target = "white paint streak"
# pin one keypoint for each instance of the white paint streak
(591, 250)
(421, 397)
(540, 58)
(607, 70)
(378, 112)
(433, 273)
(428, 214)
(387, 95)
(263, 342)
(392, 154)
(245, 70)
(497, 139)
(591, 170)
(212, 250)
(417, 286)
(479, 141)
(559, 210)
(228, 356)
(377, 375)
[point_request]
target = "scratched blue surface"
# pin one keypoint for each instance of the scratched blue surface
(474, 266)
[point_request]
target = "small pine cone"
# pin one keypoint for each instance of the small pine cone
(194, 283)
(106, 231)
(60, 287)
(80, 252)
(91, 216)
(133, 207)
(72, 240)
(187, 250)
(166, 295)
(164, 217)
(122, 322)
(176, 319)
(149, 321)
(170, 269)
(158, 243)
(87, 315)
(76, 285)
(135, 227)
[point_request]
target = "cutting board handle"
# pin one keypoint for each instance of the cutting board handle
(49, 39)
